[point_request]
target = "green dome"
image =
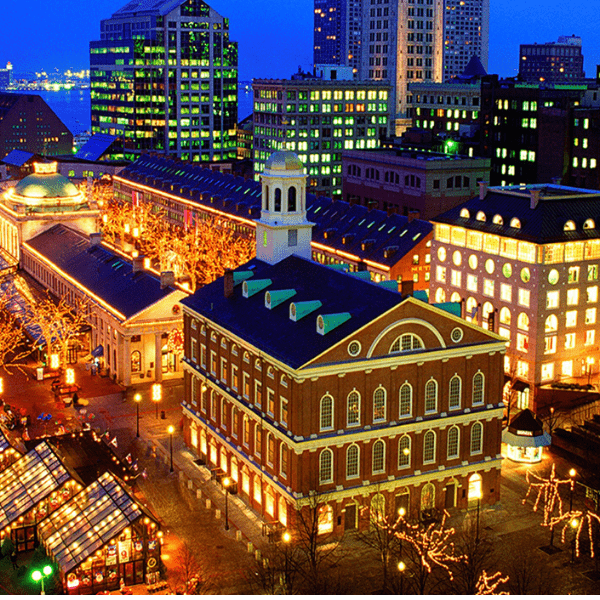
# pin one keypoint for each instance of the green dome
(284, 160)
(45, 186)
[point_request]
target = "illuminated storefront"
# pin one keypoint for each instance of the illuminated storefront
(102, 537)
(8, 455)
(525, 438)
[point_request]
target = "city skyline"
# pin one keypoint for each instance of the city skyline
(267, 50)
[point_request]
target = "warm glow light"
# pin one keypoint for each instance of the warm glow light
(572, 473)
(54, 363)
(171, 429)
(401, 566)
(138, 397)
(70, 376)
(402, 511)
(226, 481)
(156, 392)
(286, 537)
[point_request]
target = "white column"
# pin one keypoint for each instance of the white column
(125, 348)
(157, 357)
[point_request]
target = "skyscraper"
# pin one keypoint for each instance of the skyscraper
(164, 78)
(466, 33)
(558, 62)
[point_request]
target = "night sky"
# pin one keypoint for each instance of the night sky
(275, 36)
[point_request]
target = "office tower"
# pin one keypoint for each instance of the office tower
(6, 76)
(560, 61)
(164, 79)
(466, 33)
(337, 33)
(403, 43)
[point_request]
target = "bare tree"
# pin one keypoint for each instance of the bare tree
(526, 577)
(278, 571)
(192, 578)
(14, 347)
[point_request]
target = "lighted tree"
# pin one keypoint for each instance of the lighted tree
(580, 522)
(427, 548)
(13, 341)
(487, 585)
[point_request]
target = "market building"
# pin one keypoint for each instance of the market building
(306, 381)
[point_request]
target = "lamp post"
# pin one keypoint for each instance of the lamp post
(171, 429)
(226, 483)
(40, 575)
(401, 568)
(156, 395)
(574, 524)
(137, 398)
(572, 474)
(286, 538)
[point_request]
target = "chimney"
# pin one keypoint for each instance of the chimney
(228, 283)
(95, 239)
(391, 210)
(412, 215)
(408, 287)
(138, 264)
(483, 188)
(535, 198)
(167, 278)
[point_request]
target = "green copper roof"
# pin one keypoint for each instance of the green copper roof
(284, 160)
(46, 185)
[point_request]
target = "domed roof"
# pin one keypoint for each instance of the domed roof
(284, 160)
(45, 186)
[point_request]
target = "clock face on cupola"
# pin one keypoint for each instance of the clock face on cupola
(283, 229)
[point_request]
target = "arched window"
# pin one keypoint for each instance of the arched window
(326, 466)
(497, 220)
(136, 361)
(405, 343)
(480, 216)
(431, 396)
(271, 449)
(470, 312)
(282, 511)
(478, 388)
(404, 452)
(453, 441)
(440, 295)
(455, 297)
(486, 310)
(325, 519)
(569, 226)
(523, 321)
(427, 497)
(352, 461)
(353, 409)
(589, 224)
(505, 316)
(266, 198)
(515, 223)
(292, 199)
(551, 323)
(326, 413)
(455, 392)
(377, 507)
(277, 207)
(476, 438)
(284, 455)
(406, 393)
(464, 213)
(246, 357)
(271, 373)
(429, 447)
(378, 457)
(379, 401)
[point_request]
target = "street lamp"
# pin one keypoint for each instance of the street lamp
(286, 538)
(137, 398)
(574, 524)
(572, 474)
(401, 568)
(40, 575)
(156, 395)
(226, 483)
(171, 429)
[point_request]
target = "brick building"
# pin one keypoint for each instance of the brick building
(302, 380)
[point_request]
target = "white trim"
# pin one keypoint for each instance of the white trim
(408, 321)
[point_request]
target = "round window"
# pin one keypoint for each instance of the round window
(490, 265)
(553, 277)
(442, 253)
(457, 258)
(525, 274)
(456, 335)
(473, 261)
(507, 270)
(354, 348)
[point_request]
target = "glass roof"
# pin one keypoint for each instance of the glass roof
(4, 445)
(28, 481)
(99, 513)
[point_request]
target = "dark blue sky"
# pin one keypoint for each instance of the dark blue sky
(275, 36)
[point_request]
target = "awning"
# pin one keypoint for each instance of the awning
(526, 441)
(98, 351)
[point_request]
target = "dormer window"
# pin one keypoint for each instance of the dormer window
(515, 223)
(464, 213)
(569, 226)
(498, 220)
(589, 224)
(480, 216)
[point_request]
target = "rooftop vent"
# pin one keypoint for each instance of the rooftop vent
(276, 297)
(329, 233)
(390, 251)
(299, 310)
(348, 238)
(367, 244)
(340, 267)
(249, 288)
(327, 323)
(239, 276)
(365, 275)
(389, 285)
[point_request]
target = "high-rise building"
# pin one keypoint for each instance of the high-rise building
(466, 33)
(402, 43)
(560, 61)
(6, 76)
(338, 33)
(164, 78)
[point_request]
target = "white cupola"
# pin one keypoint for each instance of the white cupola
(282, 229)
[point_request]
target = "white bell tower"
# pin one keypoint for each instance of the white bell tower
(282, 229)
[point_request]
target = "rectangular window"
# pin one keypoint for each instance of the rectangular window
(590, 337)
(552, 299)
(571, 318)
(194, 356)
(456, 277)
(203, 356)
(223, 370)
(213, 363)
(270, 401)
(283, 411)
(524, 297)
(234, 377)
(506, 292)
(472, 283)
(522, 368)
(569, 341)
(258, 393)
(440, 274)
(550, 344)
(567, 368)
(592, 294)
(573, 276)
(522, 342)
(246, 391)
(572, 297)
(488, 287)
(547, 371)
(590, 316)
